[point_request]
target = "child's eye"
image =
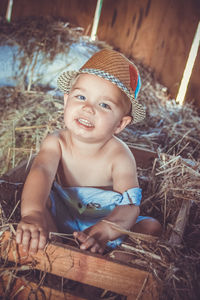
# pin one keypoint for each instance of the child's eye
(104, 105)
(81, 97)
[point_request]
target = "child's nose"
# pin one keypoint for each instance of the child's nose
(88, 107)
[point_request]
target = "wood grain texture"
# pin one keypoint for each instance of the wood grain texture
(84, 267)
(23, 290)
(181, 221)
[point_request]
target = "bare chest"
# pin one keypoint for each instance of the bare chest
(86, 171)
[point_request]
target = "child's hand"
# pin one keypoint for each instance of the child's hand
(32, 233)
(95, 237)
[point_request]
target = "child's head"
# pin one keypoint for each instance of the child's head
(95, 109)
(117, 69)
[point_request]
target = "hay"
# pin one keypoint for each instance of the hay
(26, 119)
(171, 180)
(28, 113)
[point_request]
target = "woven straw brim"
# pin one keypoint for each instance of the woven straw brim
(65, 81)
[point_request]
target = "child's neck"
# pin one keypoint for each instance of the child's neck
(85, 148)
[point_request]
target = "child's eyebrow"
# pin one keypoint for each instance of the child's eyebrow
(106, 98)
(103, 98)
(109, 99)
(78, 88)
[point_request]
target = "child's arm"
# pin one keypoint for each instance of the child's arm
(124, 177)
(32, 231)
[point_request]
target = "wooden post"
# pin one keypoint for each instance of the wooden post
(189, 66)
(181, 221)
(96, 20)
(9, 10)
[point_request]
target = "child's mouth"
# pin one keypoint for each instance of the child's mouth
(85, 122)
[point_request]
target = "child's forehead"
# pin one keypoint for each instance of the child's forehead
(89, 80)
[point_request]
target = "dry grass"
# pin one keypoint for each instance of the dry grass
(26, 119)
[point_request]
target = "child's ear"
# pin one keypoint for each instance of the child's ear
(65, 99)
(124, 122)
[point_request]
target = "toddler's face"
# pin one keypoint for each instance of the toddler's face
(95, 108)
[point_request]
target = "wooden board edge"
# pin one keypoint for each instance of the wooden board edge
(181, 221)
(84, 267)
(21, 289)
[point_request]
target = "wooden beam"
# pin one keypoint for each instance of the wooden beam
(189, 66)
(85, 267)
(181, 221)
(22, 290)
(96, 20)
(20, 172)
(144, 157)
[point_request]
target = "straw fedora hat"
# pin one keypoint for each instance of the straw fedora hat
(115, 67)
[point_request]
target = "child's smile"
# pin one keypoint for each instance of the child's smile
(85, 123)
(94, 108)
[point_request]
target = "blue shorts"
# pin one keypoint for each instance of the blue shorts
(77, 208)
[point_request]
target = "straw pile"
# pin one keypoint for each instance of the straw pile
(28, 116)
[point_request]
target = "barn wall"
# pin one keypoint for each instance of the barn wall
(3, 7)
(158, 33)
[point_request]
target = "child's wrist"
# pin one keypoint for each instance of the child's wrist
(31, 213)
(111, 229)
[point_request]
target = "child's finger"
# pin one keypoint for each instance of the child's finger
(42, 240)
(19, 236)
(34, 242)
(88, 243)
(96, 248)
(26, 240)
(81, 236)
(101, 250)
(85, 239)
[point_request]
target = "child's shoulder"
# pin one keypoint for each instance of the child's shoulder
(124, 169)
(57, 135)
(120, 148)
(53, 139)
(119, 144)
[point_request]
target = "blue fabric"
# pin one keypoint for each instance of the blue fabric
(77, 208)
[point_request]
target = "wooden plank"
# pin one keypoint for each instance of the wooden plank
(82, 266)
(23, 290)
(20, 172)
(181, 221)
(144, 157)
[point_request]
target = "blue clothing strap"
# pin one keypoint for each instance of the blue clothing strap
(83, 197)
